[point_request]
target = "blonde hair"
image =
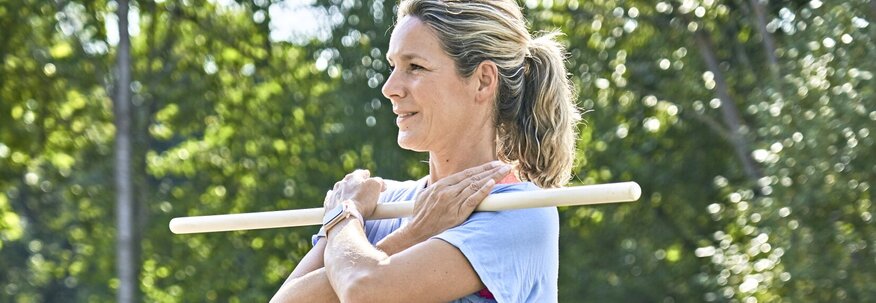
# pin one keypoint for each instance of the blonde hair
(535, 112)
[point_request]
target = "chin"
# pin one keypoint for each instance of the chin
(410, 143)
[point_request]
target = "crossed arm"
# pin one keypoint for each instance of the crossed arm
(433, 270)
(405, 266)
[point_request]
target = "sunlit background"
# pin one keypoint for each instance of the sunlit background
(747, 123)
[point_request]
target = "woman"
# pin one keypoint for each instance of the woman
(469, 86)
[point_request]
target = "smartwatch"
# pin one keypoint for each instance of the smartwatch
(338, 214)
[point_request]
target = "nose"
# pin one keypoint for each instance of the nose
(393, 89)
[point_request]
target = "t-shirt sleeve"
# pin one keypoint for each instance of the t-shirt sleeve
(513, 252)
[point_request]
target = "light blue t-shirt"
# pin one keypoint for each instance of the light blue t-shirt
(515, 253)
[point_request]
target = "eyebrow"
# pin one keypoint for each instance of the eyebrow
(407, 56)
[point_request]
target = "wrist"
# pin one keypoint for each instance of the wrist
(353, 209)
(339, 216)
(398, 240)
(412, 233)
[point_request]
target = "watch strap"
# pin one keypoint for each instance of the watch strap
(338, 214)
(354, 212)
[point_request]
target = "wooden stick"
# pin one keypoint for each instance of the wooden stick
(577, 195)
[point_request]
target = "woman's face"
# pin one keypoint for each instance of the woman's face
(435, 107)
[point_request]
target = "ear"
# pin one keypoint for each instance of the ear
(486, 77)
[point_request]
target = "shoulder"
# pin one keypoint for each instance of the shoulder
(515, 253)
(514, 187)
(523, 219)
(520, 226)
(399, 190)
(524, 227)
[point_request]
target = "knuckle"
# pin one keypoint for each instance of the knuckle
(372, 182)
(440, 195)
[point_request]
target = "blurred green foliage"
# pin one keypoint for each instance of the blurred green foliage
(228, 119)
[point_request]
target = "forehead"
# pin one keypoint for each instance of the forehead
(412, 38)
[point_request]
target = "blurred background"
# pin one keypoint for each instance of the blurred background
(747, 123)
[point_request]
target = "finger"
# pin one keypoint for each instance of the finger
(503, 171)
(376, 182)
(361, 174)
(470, 172)
(472, 186)
(500, 171)
(348, 176)
(475, 182)
(460, 186)
(382, 183)
(475, 199)
(328, 197)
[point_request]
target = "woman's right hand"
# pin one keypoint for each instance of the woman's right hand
(450, 201)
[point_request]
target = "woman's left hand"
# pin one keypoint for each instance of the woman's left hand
(358, 187)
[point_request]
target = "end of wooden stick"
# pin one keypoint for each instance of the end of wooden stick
(635, 191)
(175, 226)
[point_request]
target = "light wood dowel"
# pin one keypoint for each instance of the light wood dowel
(567, 196)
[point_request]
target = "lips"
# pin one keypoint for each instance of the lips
(404, 117)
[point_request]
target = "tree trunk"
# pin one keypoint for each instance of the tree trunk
(125, 264)
(769, 44)
(729, 112)
(872, 11)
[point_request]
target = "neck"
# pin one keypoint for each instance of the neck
(462, 156)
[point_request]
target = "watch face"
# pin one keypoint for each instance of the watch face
(333, 213)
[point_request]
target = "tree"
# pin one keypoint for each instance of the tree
(126, 243)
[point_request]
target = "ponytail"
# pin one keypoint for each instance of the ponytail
(538, 129)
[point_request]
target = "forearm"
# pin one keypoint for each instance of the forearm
(310, 262)
(350, 259)
(399, 240)
(311, 287)
(309, 279)
(308, 282)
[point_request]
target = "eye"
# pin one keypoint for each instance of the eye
(416, 67)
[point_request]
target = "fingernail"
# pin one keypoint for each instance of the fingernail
(496, 163)
(505, 169)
